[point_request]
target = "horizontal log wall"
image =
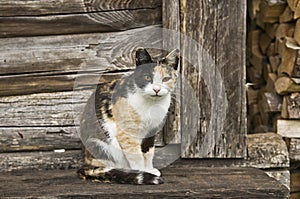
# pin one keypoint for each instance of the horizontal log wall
(23, 18)
(52, 55)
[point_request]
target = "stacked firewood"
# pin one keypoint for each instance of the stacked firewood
(273, 68)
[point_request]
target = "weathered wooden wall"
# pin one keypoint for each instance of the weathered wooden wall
(214, 70)
(46, 47)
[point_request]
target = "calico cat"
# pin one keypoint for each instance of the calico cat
(121, 119)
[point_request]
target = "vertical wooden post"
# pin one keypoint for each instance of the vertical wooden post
(171, 40)
(213, 70)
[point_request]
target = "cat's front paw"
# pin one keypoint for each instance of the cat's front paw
(154, 171)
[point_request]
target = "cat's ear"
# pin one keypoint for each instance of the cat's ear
(142, 57)
(172, 58)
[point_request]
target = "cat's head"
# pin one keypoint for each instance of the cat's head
(156, 79)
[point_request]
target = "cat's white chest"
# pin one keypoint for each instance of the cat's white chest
(152, 112)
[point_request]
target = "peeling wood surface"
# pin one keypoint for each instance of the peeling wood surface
(220, 33)
(180, 182)
(45, 18)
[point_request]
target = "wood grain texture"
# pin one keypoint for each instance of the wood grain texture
(49, 7)
(44, 18)
(22, 139)
(47, 64)
(220, 32)
(41, 110)
(180, 182)
(171, 40)
(288, 128)
(70, 159)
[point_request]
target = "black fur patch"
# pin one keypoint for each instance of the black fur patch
(147, 143)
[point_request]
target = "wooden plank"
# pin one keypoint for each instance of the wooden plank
(288, 128)
(74, 53)
(53, 62)
(49, 7)
(43, 109)
(88, 22)
(180, 182)
(171, 22)
(39, 138)
(202, 133)
(69, 159)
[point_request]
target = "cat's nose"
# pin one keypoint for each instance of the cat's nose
(156, 89)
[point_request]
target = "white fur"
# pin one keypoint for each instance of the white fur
(151, 111)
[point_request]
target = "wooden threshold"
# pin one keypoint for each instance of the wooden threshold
(181, 181)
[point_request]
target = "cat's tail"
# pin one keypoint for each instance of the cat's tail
(121, 176)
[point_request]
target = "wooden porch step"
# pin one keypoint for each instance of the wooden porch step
(181, 181)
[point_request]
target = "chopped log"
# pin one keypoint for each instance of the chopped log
(285, 30)
(291, 106)
(271, 11)
(255, 78)
(257, 59)
(252, 96)
(271, 50)
(253, 8)
(264, 42)
(271, 29)
(267, 150)
(288, 128)
(288, 56)
(287, 15)
(285, 85)
(295, 184)
(274, 62)
(270, 102)
(253, 40)
(297, 11)
(294, 150)
(292, 4)
(297, 31)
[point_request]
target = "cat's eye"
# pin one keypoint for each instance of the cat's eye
(165, 79)
(147, 77)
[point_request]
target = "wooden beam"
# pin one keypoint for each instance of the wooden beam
(70, 159)
(13, 139)
(218, 28)
(81, 17)
(49, 7)
(288, 128)
(171, 40)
